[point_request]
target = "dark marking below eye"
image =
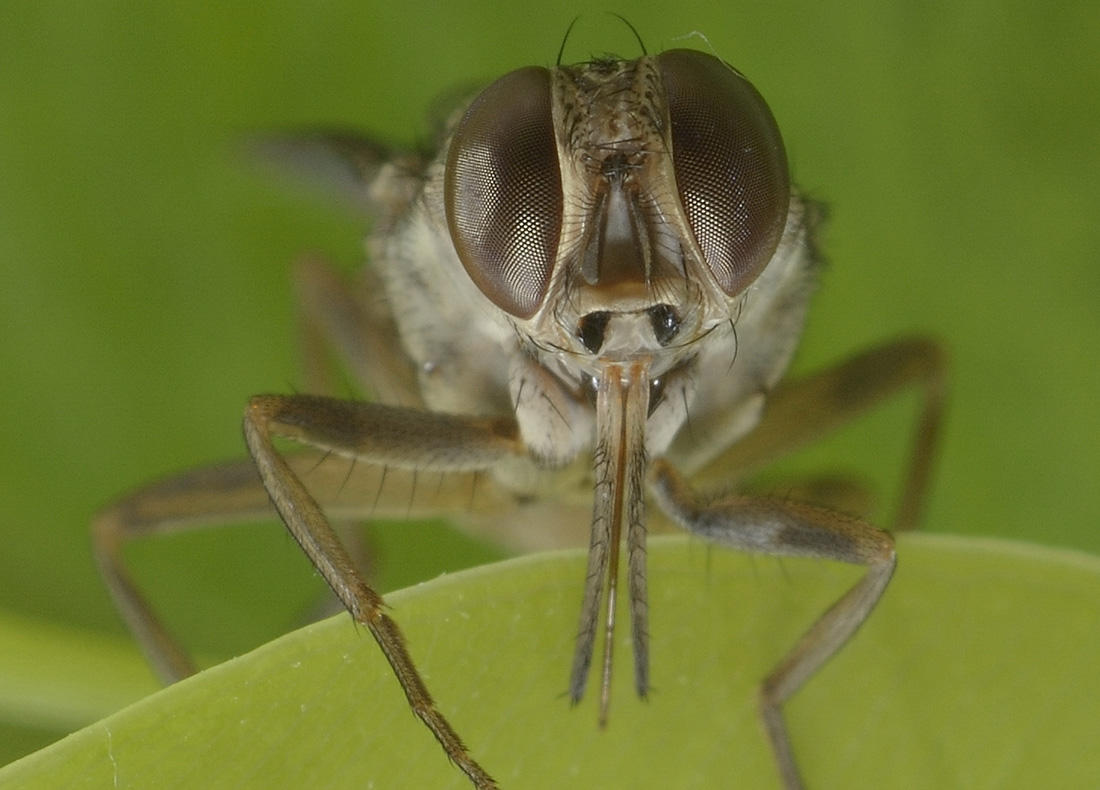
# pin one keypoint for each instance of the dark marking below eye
(665, 322)
(591, 330)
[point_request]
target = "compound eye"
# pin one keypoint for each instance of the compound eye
(502, 191)
(731, 169)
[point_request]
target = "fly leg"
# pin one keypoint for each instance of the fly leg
(349, 320)
(380, 435)
(786, 528)
(346, 327)
(797, 413)
(800, 411)
(220, 494)
(390, 445)
(232, 493)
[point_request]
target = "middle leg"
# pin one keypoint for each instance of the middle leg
(787, 528)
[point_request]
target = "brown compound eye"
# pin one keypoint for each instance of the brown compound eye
(502, 191)
(731, 169)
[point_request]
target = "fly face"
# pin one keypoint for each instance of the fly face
(615, 212)
(598, 252)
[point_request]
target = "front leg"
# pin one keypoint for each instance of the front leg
(793, 529)
(376, 434)
(799, 411)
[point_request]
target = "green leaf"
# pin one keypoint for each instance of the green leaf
(977, 670)
(62, 678)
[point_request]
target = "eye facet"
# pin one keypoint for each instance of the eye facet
(731, 168)
(502, 191)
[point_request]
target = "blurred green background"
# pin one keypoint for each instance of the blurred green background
(144, 289)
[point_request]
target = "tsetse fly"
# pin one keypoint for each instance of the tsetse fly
(588, 294)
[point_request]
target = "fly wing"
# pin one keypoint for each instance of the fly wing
(339, 165)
